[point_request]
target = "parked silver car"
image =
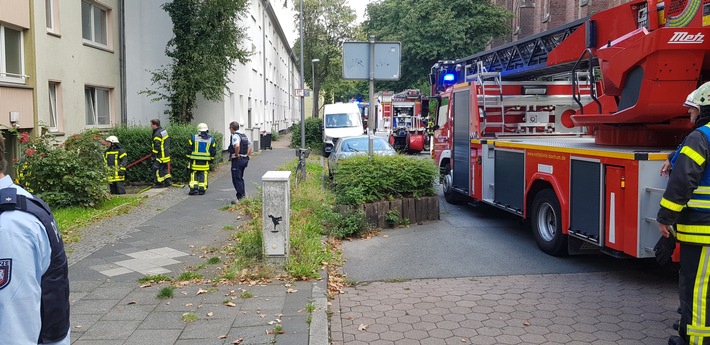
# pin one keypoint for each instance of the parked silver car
(356, 146)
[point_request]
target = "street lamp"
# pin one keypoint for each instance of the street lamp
(314, 62)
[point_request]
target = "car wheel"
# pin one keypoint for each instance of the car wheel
(547, 223)
(451, 196)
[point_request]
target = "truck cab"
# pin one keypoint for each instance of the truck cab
(340, 120)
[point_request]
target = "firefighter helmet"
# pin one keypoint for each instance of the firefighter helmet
(702, 95)
(690, 101)
(112, 139)
(202, 127)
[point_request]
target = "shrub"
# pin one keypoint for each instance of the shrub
(361, 180)
(314, 134)
(68, 174)
(137, 141)
(345, 225)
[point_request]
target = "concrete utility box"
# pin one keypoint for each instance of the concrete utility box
(276, 210)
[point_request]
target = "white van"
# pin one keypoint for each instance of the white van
(340, 120)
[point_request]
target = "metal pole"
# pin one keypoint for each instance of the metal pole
(316, 97)
(301, 158)
(371, 107)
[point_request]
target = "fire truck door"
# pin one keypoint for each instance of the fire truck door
(585, 200)
(462, 142)
(614, 207)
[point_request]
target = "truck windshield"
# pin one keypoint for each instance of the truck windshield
(341, 120)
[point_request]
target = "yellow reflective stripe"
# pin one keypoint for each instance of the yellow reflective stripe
(671, 205)
(699, 203)
(697, 330)
(702, 190)
(692, 154)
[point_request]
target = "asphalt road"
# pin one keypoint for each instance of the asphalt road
(471, 241)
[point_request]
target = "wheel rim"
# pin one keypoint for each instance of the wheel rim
(546, 222)
(447, 183)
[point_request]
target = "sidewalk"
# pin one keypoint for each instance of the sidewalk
(171, 233)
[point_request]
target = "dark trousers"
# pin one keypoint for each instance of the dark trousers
(162, 173)
(238, 166)
(694, 260)
(117, 187)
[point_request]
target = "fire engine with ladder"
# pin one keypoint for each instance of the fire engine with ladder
(569, 128)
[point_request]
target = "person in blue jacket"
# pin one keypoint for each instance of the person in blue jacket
(34, 283)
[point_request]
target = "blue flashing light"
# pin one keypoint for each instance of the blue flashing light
(449, 77)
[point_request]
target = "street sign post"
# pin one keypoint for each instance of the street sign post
(371, 61)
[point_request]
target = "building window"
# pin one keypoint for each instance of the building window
(11, 57)
(54, 96)
(49, 12)
(97, 106)
(94, 23)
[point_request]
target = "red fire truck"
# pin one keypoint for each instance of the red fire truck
(568, 128)
(408, 131)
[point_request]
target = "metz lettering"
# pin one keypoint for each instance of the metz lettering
(683, 37)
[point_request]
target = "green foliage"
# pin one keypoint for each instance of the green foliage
(434, 30)
(72, 173)
(345, 225)
(137, 141)
(156, 278)
(326, 24)
(166, 292)
(207, 42)
(275, 135)
(189, 275)
(189, 317)
(314, 135)
(360, 179)
(392, 218)
(246, 294)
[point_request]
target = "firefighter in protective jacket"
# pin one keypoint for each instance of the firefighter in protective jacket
(686, 202)
(203, 151)
(116, 159)
(161, 155)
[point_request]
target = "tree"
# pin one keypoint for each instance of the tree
(326, 24)
(206, 44)
(432, 30)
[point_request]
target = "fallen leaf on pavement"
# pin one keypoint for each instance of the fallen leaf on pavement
(463, 340)
(291, 290)
(210, 314)
(201, 291)
(222, 337)
(188, 304)
(230, 304)
(526, 323)
(238, 341)
(362, 327)
(132, 302)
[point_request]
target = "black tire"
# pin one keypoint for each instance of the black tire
(546, 224)
(451, 196)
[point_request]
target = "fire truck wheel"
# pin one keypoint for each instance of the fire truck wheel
(450, 195)
(547, 223)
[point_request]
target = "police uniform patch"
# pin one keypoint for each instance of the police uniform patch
(5, 272)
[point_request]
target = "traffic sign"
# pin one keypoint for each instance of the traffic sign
(356, 60)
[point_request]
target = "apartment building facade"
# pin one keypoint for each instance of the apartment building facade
(67, 66)
(260, 95)
(59, 68)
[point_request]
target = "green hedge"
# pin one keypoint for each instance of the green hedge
(360, 180)
(314, 135)
(69, 174)
(137, 141)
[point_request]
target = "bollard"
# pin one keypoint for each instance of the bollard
(276, 210)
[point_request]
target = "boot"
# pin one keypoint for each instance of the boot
(201, 191)
(193, 191)
(676, 340)
(676, 325)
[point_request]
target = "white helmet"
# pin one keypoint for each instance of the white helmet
(702, 95)
(202, 127)
(690, 101)
(112, 139)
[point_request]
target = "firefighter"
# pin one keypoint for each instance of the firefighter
(116, 159)
(203, 151)
(161, 155)
(686, 203)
